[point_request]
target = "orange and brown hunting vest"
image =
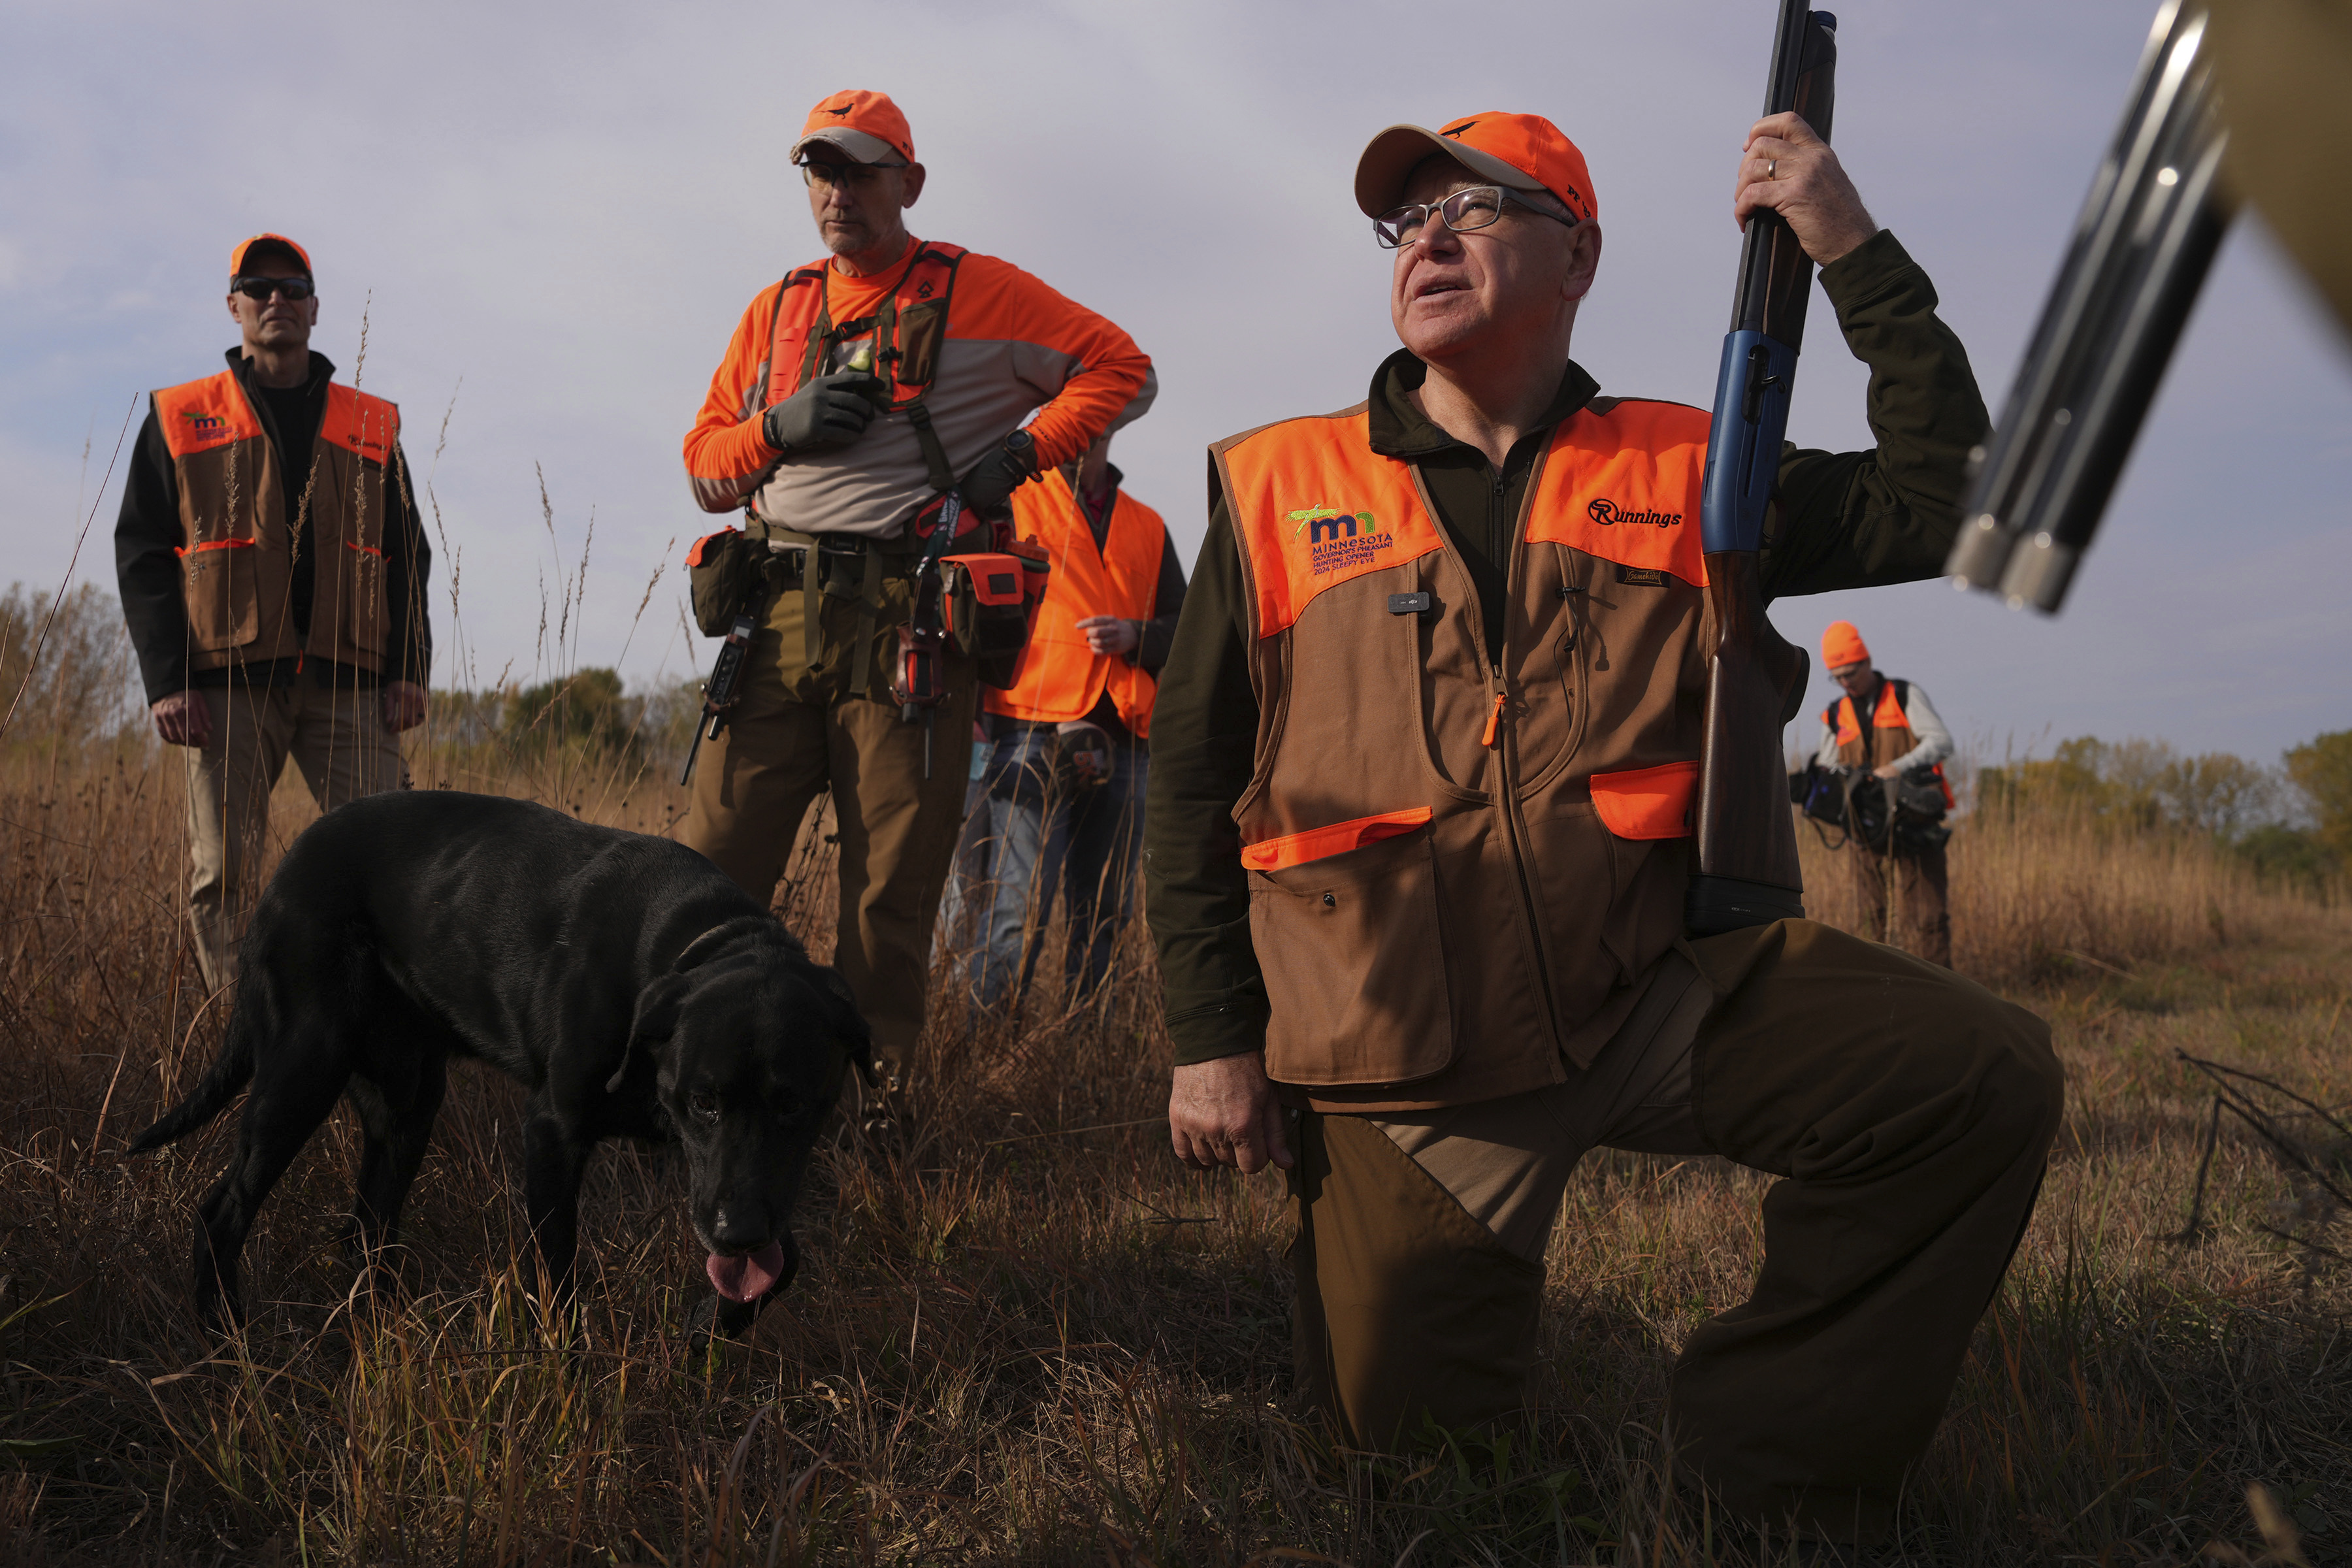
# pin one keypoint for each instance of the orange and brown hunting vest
(1462, 857)
(1060, 677)
(237, 558)
(1890, 735)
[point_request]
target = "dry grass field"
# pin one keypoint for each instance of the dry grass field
(1032, 1338)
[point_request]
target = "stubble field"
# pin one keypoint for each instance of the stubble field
(1030, 1337)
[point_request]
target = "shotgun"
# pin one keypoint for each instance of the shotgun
(1748, 871)
(2141, 248)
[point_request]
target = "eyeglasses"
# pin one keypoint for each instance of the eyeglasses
(857, 177)
(261, 289)
(1475, 207)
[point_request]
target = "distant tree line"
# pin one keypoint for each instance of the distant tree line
(589, 712)
(2292, 823)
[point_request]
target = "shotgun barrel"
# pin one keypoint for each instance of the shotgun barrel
(1748, 872)
(2142, 246)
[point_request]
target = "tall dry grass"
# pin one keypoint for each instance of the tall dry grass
(1030, 1337)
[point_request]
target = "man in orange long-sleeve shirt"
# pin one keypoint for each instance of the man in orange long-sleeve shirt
(855, 394)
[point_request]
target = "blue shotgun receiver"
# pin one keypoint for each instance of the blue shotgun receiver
(1747, 873)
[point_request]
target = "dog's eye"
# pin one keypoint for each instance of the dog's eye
(704, 1105)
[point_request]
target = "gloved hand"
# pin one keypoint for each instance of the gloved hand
(1000, 473)
(831, 411)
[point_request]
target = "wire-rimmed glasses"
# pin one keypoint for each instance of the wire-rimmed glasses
(1474, 206)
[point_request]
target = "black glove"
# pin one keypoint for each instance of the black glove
(1000, 473)
(831, 411)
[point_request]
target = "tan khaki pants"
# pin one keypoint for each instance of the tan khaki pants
(1922, 892)
(1909, 1111)
(796, 731)
(336, 737)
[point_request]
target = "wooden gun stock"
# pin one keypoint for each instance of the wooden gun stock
(1747, 873)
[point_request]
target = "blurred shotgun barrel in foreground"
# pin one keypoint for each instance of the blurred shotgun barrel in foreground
(1748, 871)
(2141, 248)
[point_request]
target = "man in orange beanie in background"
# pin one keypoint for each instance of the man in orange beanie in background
(1889, 729)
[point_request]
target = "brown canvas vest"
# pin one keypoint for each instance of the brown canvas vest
(1060, 677)
(236, 559)
(1458, 854)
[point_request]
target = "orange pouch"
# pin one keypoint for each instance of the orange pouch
(1647, 803)
(1321, 843)
(984, 611)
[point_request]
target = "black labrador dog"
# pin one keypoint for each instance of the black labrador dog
(638, 991)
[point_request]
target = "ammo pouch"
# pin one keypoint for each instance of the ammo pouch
(985, 612)
(723, 571)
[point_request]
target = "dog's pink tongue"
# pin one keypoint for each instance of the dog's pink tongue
(748, 1276)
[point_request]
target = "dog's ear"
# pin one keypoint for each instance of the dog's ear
(706, 947)
(655, 1017)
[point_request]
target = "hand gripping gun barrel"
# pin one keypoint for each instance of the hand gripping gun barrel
(719, 692)
(2141, 248)
(1748, 872)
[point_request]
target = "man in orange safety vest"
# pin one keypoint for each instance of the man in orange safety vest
(1071, 738)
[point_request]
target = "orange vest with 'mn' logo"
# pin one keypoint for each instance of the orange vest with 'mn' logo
(1460, 857)
(1060, 677)
(237, 551)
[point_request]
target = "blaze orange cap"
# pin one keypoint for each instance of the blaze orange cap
(245, 248)
(1524, 152)
(1841, 645)
(866, 125)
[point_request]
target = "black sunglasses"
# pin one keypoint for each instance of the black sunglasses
(262, 288)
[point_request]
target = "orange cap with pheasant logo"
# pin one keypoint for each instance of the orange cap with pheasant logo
(866, 125)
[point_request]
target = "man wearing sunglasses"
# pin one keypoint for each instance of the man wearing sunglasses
(1417, 844)
(272, 570)
(858, 393)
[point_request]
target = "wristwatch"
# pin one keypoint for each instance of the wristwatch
(1024, 445)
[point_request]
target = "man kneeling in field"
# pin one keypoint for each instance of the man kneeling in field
(1441, 664)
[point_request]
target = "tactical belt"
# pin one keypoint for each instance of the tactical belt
(827, 564)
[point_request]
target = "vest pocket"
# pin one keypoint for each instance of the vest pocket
(216, 582)
(1353, 953)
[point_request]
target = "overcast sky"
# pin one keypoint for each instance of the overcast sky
(552, 217)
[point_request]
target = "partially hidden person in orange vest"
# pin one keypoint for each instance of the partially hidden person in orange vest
(1418, 843)
(1890, 731)
(856, 392)
(1071, 737)
(272, 568)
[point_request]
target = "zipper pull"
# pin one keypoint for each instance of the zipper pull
(1495, 718)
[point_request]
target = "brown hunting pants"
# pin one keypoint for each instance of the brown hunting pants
(1909, 1113)
(335, 736)
(1922, 889)
(798, 730)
